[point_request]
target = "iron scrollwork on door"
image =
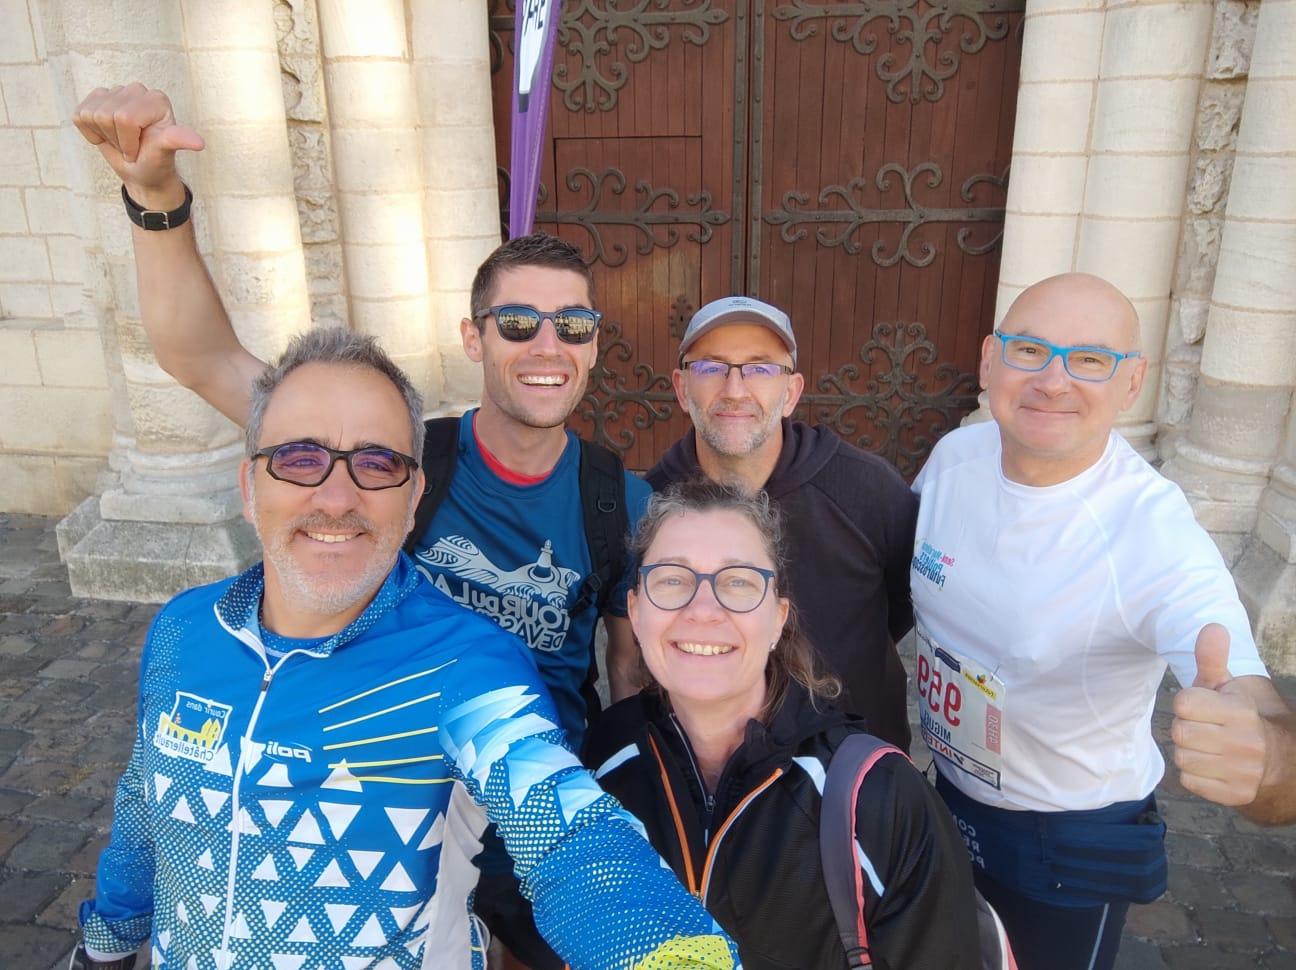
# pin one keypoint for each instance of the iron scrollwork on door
(656, 226)
(591, 30)
(610, 393)
(919, 25)
(905, 413)
(836, 226)
(499, 24)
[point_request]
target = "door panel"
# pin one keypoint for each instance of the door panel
(846, 161)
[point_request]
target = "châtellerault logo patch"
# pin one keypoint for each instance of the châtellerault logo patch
(930, 563)
(194, 729)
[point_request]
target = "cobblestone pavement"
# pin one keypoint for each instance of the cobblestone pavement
(67, 707)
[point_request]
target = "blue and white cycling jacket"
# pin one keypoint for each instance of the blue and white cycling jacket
(321, 807)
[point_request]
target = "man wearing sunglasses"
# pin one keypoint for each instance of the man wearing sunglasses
(849, 514)
(1056, 575)
(322, 739)
(508, 536)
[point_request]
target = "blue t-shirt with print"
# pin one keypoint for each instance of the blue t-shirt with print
(517, 554)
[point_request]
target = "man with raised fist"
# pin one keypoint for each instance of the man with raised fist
(1055, 576)
(521, 521)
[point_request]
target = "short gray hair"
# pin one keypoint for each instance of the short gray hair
(332, 345)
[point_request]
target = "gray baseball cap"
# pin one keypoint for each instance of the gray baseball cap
(739, 309)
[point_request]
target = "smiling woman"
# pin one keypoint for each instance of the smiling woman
(723, 757)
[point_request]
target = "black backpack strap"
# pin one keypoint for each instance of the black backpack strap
(850, 764)
(607, 522)
(440, 454)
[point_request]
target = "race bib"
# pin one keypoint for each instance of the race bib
(961, 707)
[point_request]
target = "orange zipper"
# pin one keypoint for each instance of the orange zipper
(720, 833)
(691, 882)
(690, 878)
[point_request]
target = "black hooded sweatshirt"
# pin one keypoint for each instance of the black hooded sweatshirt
(850, 534)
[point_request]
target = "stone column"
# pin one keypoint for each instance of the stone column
(1266, 571)
(1219, 111)
(1105, 117)
(1241, 420)
(460, 182)
(172, 519)
(1153, 58)
(376, 160)
(1058, 85)
(1061, 54)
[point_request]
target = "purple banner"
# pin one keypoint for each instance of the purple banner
(537, 28)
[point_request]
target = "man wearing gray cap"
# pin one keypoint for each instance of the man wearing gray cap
(850, 517)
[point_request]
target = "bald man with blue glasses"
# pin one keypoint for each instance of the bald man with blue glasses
(1055, 577)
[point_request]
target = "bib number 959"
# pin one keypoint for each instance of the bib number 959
(940, 695)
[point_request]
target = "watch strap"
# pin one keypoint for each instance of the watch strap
(156, 219)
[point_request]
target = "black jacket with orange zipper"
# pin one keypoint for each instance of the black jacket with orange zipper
(750, 850)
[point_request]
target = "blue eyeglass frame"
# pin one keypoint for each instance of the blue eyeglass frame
(767, 574)
(1060, 350)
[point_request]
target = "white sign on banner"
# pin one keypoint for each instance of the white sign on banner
(530, 45)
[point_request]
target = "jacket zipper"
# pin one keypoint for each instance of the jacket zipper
(700, 890)
(726, 825)
(707, 798)
(249, 639)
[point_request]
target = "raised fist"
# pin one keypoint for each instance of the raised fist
(137, 134)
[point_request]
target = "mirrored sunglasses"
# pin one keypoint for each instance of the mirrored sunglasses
(520, 322)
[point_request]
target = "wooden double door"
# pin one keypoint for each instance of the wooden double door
(846, 161)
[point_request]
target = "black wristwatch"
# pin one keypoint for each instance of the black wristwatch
(81, 960)
(156, 219)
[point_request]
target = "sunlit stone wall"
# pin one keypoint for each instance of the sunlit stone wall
(331, 191)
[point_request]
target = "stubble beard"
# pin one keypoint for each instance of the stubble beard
(313, 594)
(722, 443)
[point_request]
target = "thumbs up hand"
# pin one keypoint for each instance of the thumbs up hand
(1219, 736)
(1212, 652)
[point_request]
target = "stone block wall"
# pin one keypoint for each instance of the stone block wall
(55, 413)
(40, 272)
(296, 214)
(330, 192)
(57, 424)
